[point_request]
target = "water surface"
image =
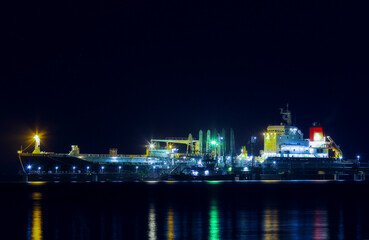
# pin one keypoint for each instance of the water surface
(185, 210)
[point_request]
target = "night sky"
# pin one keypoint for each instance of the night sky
(103, 74)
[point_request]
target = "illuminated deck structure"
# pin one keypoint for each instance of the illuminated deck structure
(286, 155)
(286, 141)
(163, 156)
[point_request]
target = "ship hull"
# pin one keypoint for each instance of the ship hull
(44, 164)
(63, 167)
(307, 166)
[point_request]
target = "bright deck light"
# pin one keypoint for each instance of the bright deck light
(37, 138)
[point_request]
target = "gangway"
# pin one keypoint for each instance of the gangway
(336, 149)
(178, 168)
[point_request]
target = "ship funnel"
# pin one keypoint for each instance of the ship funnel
(316, 133)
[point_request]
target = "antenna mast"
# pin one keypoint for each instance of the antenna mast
(286, 115)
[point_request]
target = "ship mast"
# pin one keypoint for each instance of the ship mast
(286, 115)
(37, 144)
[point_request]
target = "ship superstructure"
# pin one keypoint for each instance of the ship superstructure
(287, 141)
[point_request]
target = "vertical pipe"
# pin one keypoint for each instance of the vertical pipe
(200, 146)
(208, 137)
(232, 148)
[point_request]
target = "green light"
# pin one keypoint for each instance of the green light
(213, 142)
(229, 169)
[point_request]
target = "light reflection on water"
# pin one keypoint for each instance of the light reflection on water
(37, 182)
(321, 225)
(271, 224)
(36, 230)
(214, 215)
(341, 226)
(152, 223)
(214, 221)
(171, 234)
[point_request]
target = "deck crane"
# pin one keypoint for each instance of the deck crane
(190, 142)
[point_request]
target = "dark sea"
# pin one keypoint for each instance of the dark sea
(185, 210)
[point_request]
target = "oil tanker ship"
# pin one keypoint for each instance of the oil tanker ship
(286, 155)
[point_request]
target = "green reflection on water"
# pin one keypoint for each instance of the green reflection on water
(214, 182)
(214, 222)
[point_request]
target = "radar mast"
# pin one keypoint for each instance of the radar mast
(286, 115)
